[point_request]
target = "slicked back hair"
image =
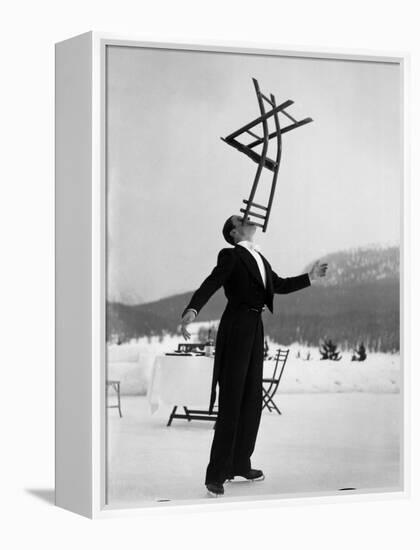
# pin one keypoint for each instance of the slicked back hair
(227, 228)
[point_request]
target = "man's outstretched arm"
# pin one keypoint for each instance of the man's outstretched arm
(292, 284)
(224, 267)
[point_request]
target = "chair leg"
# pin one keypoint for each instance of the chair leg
(266, 405)
(269, 403)
(266, 399)
(274, 406)
(172, 415)
(119, 399)
(187, 412)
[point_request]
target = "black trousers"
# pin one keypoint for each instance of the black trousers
(239, 399)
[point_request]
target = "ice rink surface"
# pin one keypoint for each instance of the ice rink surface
(322, 442)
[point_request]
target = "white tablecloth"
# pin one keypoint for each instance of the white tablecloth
(184, 380)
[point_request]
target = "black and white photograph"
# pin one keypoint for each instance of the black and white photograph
(253, 234)
(211, 275)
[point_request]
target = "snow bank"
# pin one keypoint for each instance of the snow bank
(132, 363)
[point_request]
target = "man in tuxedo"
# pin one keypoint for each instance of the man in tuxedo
(249, 284)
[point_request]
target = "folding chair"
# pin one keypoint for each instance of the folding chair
(271, 384)
(262, 159)
(116, 385)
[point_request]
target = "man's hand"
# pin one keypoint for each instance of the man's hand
(318, 270)
(186, 320)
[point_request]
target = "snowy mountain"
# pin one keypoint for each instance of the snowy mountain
(362, 264)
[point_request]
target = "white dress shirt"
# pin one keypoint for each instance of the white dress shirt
(253, 250)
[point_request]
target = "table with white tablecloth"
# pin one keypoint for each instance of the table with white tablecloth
(180, 380)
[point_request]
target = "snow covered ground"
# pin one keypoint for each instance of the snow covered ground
(322, 442)
(379, 373)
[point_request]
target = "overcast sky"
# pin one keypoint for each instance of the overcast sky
(172, 182)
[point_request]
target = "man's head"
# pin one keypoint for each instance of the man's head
(237, 229)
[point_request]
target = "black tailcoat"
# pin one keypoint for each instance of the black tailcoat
(238, 273)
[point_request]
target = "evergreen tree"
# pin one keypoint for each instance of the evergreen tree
(328, 350)
(359, 354)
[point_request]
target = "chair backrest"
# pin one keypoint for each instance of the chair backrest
(281, 358)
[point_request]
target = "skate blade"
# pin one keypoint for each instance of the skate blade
(240, 479)
(213, 495)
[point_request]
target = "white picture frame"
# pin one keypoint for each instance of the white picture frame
(80, 173)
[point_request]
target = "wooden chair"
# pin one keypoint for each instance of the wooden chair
(260, 211)
(116, 385)
(271, 384)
